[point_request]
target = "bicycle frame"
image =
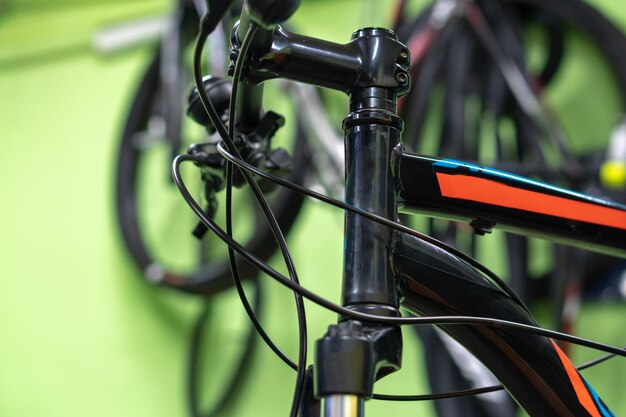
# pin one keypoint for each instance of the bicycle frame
(383, 268)
(463, 191)
(532, 368)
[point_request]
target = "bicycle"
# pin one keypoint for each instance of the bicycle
(373, 107)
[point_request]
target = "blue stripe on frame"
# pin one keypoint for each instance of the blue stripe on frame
(453, 164)
(599, 403)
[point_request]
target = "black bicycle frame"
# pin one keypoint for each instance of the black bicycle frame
(532, 368)
(383, 268)
(462, 191)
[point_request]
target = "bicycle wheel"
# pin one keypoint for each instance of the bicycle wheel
(155, 224)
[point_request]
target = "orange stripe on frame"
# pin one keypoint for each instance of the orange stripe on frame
(465, 187)
(579, 386)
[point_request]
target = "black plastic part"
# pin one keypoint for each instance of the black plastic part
(255, 148)
(387, 346)
(218, 91)
(269, 13)
(217, 10)
(200, 231)
(352, 355)
(344, 361)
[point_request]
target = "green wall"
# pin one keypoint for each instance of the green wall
(80, 333)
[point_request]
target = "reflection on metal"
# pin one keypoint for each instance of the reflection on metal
(342, 406)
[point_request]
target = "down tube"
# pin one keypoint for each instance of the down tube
(532, 368)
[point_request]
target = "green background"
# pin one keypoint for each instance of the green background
(80, 333)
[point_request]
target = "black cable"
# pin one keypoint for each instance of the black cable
(208, 24)
(300, 311)
(440, 396)
(493, 276)
(596, 361)
(434, 320)
(620, 352)
(235, 154)
(378, 219)
(473, 391)
(221, 129)
(238, 284)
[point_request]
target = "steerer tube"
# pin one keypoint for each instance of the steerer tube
(372, 143)
(372, 136)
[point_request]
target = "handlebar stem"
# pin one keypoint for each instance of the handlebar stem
(373, 58)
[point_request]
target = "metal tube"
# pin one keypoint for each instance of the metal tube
(370, 144)
(342, 405)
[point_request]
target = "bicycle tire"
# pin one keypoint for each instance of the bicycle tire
(209, 277)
